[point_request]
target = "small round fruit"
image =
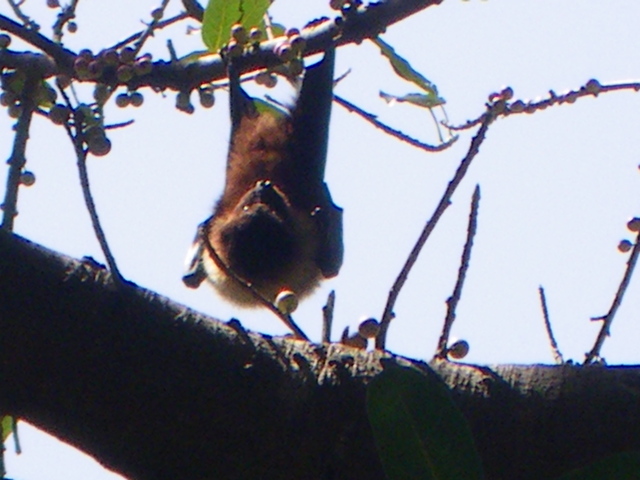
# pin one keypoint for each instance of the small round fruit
(291, 32)
(124, 73)
(297, 44)
(157, 14)
(239, 33)
(7, 98)
(123, 100)
(81, 66)
(593, 86)
(296, 67)
(356, 340)
(136, 99)
(270, 81)
(634, 224)
(143, 66)
(234, 49)
(86, 53)
(261, 78)
(63, 81)
(5, 40)
(517, 106)
(183, 102)
(72, 27)
(507, 93)
(15, 110)
(207, 99)
(59, 114)
(53, 3)
(255, 34)
(369, 328)
(458, 350)
(286, 302)
(284, 51)
(101, 93)
(110, 57)
(99, 145)
(127, 55)
(624, 246)
(27, 178)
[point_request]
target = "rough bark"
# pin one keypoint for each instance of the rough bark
(154, 390)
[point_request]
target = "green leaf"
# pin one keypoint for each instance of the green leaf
(221, 15)
(268, 107)
(7, 427)
(404, 70)
(418, 99)
(420, 433)
(622, 466)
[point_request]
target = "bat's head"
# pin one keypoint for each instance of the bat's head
(275, 225)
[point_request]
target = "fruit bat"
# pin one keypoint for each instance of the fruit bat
(275, 226)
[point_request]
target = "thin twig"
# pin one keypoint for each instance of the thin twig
(590, 89)
(369, 117)
(607, 320)
(16, 437)
(66, 14)
(327, 317)
(438, 124)
(452, 301)
(492, 112)
(159, 25)
(81, 157)
(18, 157)
(194, 9)
(22, 16)
(557, 356)
(151, 27)
(286, 318)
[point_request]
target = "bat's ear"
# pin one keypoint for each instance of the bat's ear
(195, 272)
(240, 104)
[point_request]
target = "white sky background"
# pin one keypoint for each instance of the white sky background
(557, 186)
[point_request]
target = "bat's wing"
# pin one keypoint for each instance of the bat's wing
(310, 121)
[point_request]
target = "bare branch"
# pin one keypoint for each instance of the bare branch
(557, 356)
(153, 26)
(81, 161)
(327, 317)
(390, 131)
(492, 112)
(591, 88)
(159, 25)
(26, 20)
(68, 13)
(193, 9)
(452, 302)
(18, 157)
(607, 320)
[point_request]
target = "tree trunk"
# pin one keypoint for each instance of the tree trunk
(155, 391)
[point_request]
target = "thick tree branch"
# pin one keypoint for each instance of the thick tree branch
(156, 391)
(367, 22)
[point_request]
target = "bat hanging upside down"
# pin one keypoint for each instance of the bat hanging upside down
(275, 226)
